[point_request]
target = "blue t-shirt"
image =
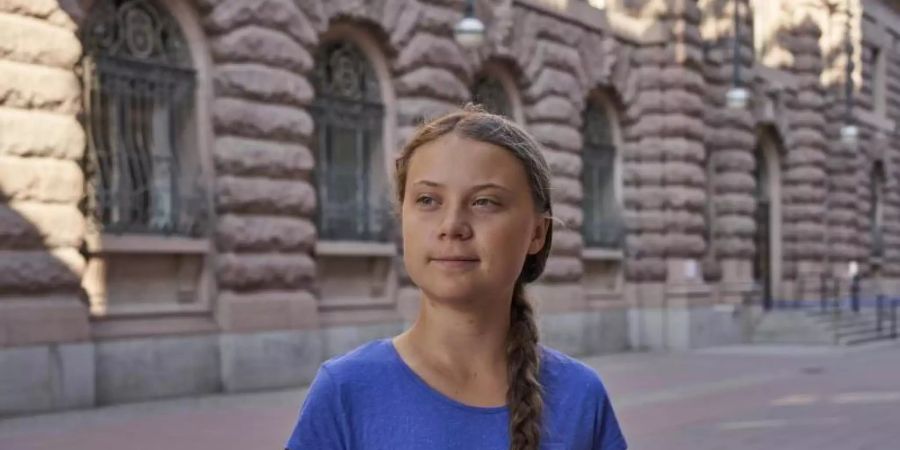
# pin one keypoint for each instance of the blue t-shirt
(369, 399)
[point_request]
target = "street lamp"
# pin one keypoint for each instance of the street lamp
(737, 97)
(849, 132)
(469, 32)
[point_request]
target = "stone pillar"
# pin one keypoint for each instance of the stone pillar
(805, 163)
(264, 196)
(553, 102)
(730, 142)
(667, 191)
(43, 315)
(645, 197)
(843, 235)
(263, 193)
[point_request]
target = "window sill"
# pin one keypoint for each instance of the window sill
(356, 248)
(602, 254)
(146, 244)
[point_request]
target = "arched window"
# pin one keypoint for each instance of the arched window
(876, 208)
(139, 90)
(488, 91)
(349, 115)
(603, 225)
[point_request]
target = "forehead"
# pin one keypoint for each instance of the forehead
(454, 160)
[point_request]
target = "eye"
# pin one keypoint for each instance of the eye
(485, 202)
(425, 200)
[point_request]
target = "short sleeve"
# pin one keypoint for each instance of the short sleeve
(608, 434)
(321, 425)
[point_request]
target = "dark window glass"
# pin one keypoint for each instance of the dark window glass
(603, 225)
(489, 93)
(139, 87)
(350, 173)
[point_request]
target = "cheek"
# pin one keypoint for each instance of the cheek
(507, 241)
(414, 234)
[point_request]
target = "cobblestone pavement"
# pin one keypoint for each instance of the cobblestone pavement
(734, 398)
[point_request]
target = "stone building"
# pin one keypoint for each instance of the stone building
(194, 194)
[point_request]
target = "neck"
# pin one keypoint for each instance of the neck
(464, 340)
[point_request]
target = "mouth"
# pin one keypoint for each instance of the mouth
(455, 262)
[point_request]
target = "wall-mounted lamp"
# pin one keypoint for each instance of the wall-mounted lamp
(849, 134)
(469, 32)
(737, 98)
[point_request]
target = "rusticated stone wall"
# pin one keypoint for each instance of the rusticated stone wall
(730, 136)
(645, 150)
(844, 237)
(803, 192)
(263, 192)
(892, 92)
(553, 101)
(262, 52)
(669, 92)
(880, 140)
(562, 64)
(683, 132)
(41, 182)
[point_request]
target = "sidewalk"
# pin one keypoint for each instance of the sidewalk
(744, 397)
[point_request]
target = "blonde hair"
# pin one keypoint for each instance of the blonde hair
(525, 396)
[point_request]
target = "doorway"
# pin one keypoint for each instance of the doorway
(767, 258)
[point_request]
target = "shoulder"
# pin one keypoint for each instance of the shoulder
(364, 362)
(563, 372)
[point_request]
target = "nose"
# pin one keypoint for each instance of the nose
(455, 225)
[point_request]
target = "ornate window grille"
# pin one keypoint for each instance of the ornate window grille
(139, 87)
(351, 175)
(489, 93)
(603, 225)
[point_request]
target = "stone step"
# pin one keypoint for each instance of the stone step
(865, 338)
(851, 324)
(857, 331)
(792, 327)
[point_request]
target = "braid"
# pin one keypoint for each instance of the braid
(524, 396)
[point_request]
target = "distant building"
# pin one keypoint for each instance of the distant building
(195, 195)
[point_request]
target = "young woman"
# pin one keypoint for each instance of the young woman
(474, 200)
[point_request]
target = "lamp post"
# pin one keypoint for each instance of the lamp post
(737, 97)
(849, 132)
(469, 32)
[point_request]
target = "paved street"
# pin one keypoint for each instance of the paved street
(735, 398)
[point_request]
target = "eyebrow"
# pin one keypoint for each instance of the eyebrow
(474, 188)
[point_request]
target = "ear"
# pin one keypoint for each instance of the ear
(539, 235)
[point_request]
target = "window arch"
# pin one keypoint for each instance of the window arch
(488, 91)
(139, 90)
(603, 225)
(495, 87)
(349, 114)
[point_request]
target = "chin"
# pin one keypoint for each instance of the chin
(450, 291)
